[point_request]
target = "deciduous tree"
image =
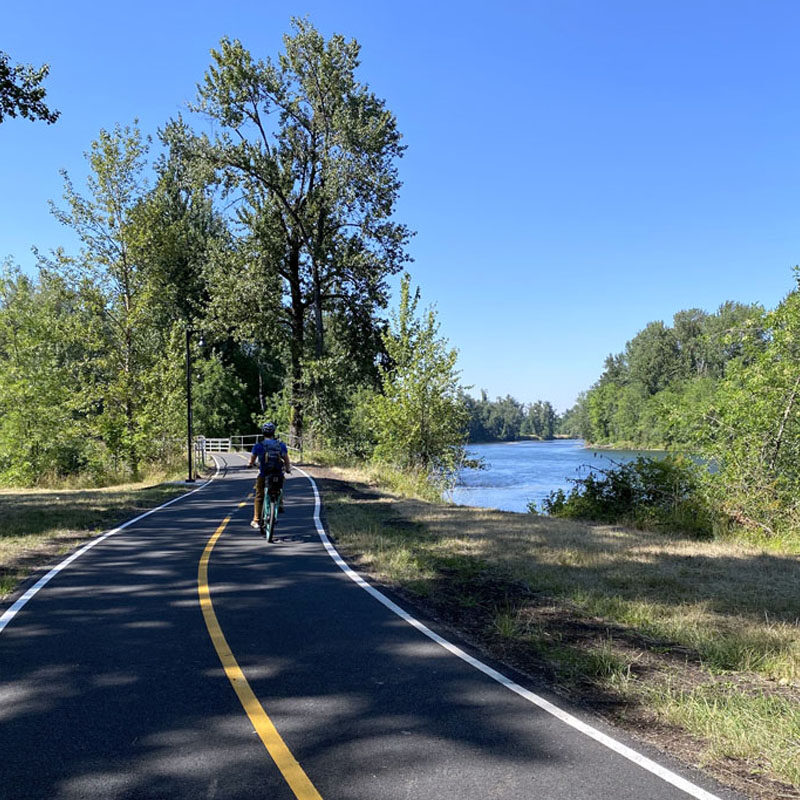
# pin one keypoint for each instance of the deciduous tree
(22, 93)
(419, 420)
(309, 154)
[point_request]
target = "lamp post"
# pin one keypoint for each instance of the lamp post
(189, 432)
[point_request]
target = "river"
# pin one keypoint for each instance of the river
(518, 472)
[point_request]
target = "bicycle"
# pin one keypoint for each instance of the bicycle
(273, 496)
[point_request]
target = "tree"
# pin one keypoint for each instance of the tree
(752, 430)
(505, 418)
(575, 421)
(311, 154)
(21, 92)
(179, 233)
(652, 357)
(45, 340)
(110, 271)
(541, 419)
(420, 419)
(689, 326)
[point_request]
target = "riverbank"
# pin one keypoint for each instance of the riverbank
(673, 639)
(627, 446)
(528, 437)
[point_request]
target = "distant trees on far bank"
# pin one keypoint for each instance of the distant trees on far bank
(506, 419)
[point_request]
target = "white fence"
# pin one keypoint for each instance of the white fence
(214, 445)
(239, 443)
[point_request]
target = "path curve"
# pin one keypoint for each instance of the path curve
(111, 687)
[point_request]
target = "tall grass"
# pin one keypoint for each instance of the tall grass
(733, 723)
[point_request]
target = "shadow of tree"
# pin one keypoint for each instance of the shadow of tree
(36, 525)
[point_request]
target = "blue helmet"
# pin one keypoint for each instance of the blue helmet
(268, 429)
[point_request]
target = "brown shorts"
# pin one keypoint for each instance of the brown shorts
(275, 482)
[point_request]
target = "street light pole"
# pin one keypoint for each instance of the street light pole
(189, 436)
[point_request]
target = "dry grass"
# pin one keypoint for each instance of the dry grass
(649, 626)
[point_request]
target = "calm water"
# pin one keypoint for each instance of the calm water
(518, 472)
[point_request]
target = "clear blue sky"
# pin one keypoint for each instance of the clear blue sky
(575, 169)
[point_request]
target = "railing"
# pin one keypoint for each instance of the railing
(218, 445)
(246, 442)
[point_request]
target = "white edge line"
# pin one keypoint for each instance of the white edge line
(612, 744)
(14, 609)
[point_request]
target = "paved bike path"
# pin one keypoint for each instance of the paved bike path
(110, 686)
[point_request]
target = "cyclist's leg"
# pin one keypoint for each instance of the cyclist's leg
(258, 505)
(272, 519)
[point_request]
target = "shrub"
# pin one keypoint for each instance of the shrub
(648, 493)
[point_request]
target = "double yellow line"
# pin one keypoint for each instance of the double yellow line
(291, 770)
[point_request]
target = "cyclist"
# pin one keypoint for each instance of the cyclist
(273, 459)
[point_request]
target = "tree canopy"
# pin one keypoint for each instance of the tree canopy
(271, 239)
(22, 93)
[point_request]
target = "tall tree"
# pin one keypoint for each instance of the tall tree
(652, 357)
(22, 93)
(311, 154)
(45, 344)
(109, 270)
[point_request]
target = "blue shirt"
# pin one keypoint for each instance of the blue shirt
(259, 450)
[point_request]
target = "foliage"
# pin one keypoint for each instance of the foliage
(272, 239)
(92, 350)
(419, 419)
(541, 420)
(653, 394)
(111, 274)
(310, 153)
(752, 427)
(22, 93)
(42, 330)
(649, 493)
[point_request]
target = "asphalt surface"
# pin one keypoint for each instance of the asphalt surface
(110, 686)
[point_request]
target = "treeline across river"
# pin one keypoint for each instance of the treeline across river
(506, 419)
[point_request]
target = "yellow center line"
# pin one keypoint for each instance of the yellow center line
(292, 772)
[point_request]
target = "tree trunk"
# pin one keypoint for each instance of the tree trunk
(130, 420)
(296, 399)
(319, 335)
(784, 418)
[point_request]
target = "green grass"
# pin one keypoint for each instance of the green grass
(737, 724)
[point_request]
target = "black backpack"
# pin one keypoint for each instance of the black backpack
(272, 458)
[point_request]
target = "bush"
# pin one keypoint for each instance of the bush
(648, 493)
